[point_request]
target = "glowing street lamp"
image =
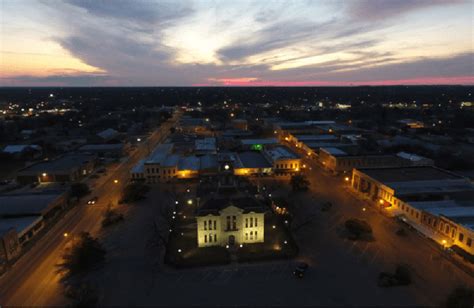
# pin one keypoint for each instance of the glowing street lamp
(179, 250)
(241, 245)
(346, 179)
(116, 181)
(190, 202)
(139, 139)
(44, 174)
(66, 234)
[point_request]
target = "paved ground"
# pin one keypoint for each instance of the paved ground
(342, 272)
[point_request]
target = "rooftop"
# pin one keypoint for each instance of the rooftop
(409, 174)
(65, 163)
(323, 137)
(160, 153)
(334, 151)
(253, 159)
(20, 224)
(26, 205)
(259, 141)
(281, 152)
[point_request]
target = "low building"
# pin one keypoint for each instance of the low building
(10, 247)
(230, 221)
(251, 163)
(240, 124)
(68, 168)
(205, 146)
(283, 160)
(46, 205)
(338, 161)
(258, 144)
(161, 165)
(23, 151)
(108, 135)
(432, 200)
(25, 227)
(104, 150)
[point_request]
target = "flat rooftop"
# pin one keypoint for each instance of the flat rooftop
(252, 159)
(281, 152)
(62, 164)
(20, 224)
(322, 137)
(25, 205)
(334, 151)
(259, 141)
(160, 153)
(409, 174)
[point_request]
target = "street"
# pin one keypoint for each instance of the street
(33, 280)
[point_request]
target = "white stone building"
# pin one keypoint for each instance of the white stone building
(230, 221)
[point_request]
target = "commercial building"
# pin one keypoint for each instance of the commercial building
(9, 245)
(68, 168)
(230, 221)
(436, 202)
(283, 160)
(104, 150)
(338, 161)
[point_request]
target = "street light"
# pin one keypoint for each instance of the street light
(65, 234)
(346, 179)
(190, 202)
(116, 181)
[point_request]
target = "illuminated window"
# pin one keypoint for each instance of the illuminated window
(461, 237)
(215, 224)
(210, 238)
(246, 222)
(251, 222)
(251, 235)
(255, 222)
(205, 225)
(210, 224)
(255, 235)
(215, 237)
(469, 241)
(205, 238)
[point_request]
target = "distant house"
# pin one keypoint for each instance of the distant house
(108, 135)
(18, 151)
(68, 168)
(109, 150)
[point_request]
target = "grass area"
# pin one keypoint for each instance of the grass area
(182, 250)
(279, 243)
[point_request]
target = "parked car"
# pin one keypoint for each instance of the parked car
(300, 270)
(93, 201)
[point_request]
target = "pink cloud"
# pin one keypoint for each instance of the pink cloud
(255, 82)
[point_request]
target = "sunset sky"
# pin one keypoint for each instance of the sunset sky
(272, 42)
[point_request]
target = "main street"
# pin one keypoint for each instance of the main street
(33, 280)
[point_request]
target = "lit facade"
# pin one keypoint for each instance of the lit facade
(232, 222)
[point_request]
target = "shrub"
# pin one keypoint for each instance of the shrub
(358, 227)
(111, 217)
(82, 295)
(134, 192)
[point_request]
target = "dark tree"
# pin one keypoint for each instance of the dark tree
(83, 253)
(299, 182)
(79, 190)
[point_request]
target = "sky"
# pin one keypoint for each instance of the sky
(236, 42)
